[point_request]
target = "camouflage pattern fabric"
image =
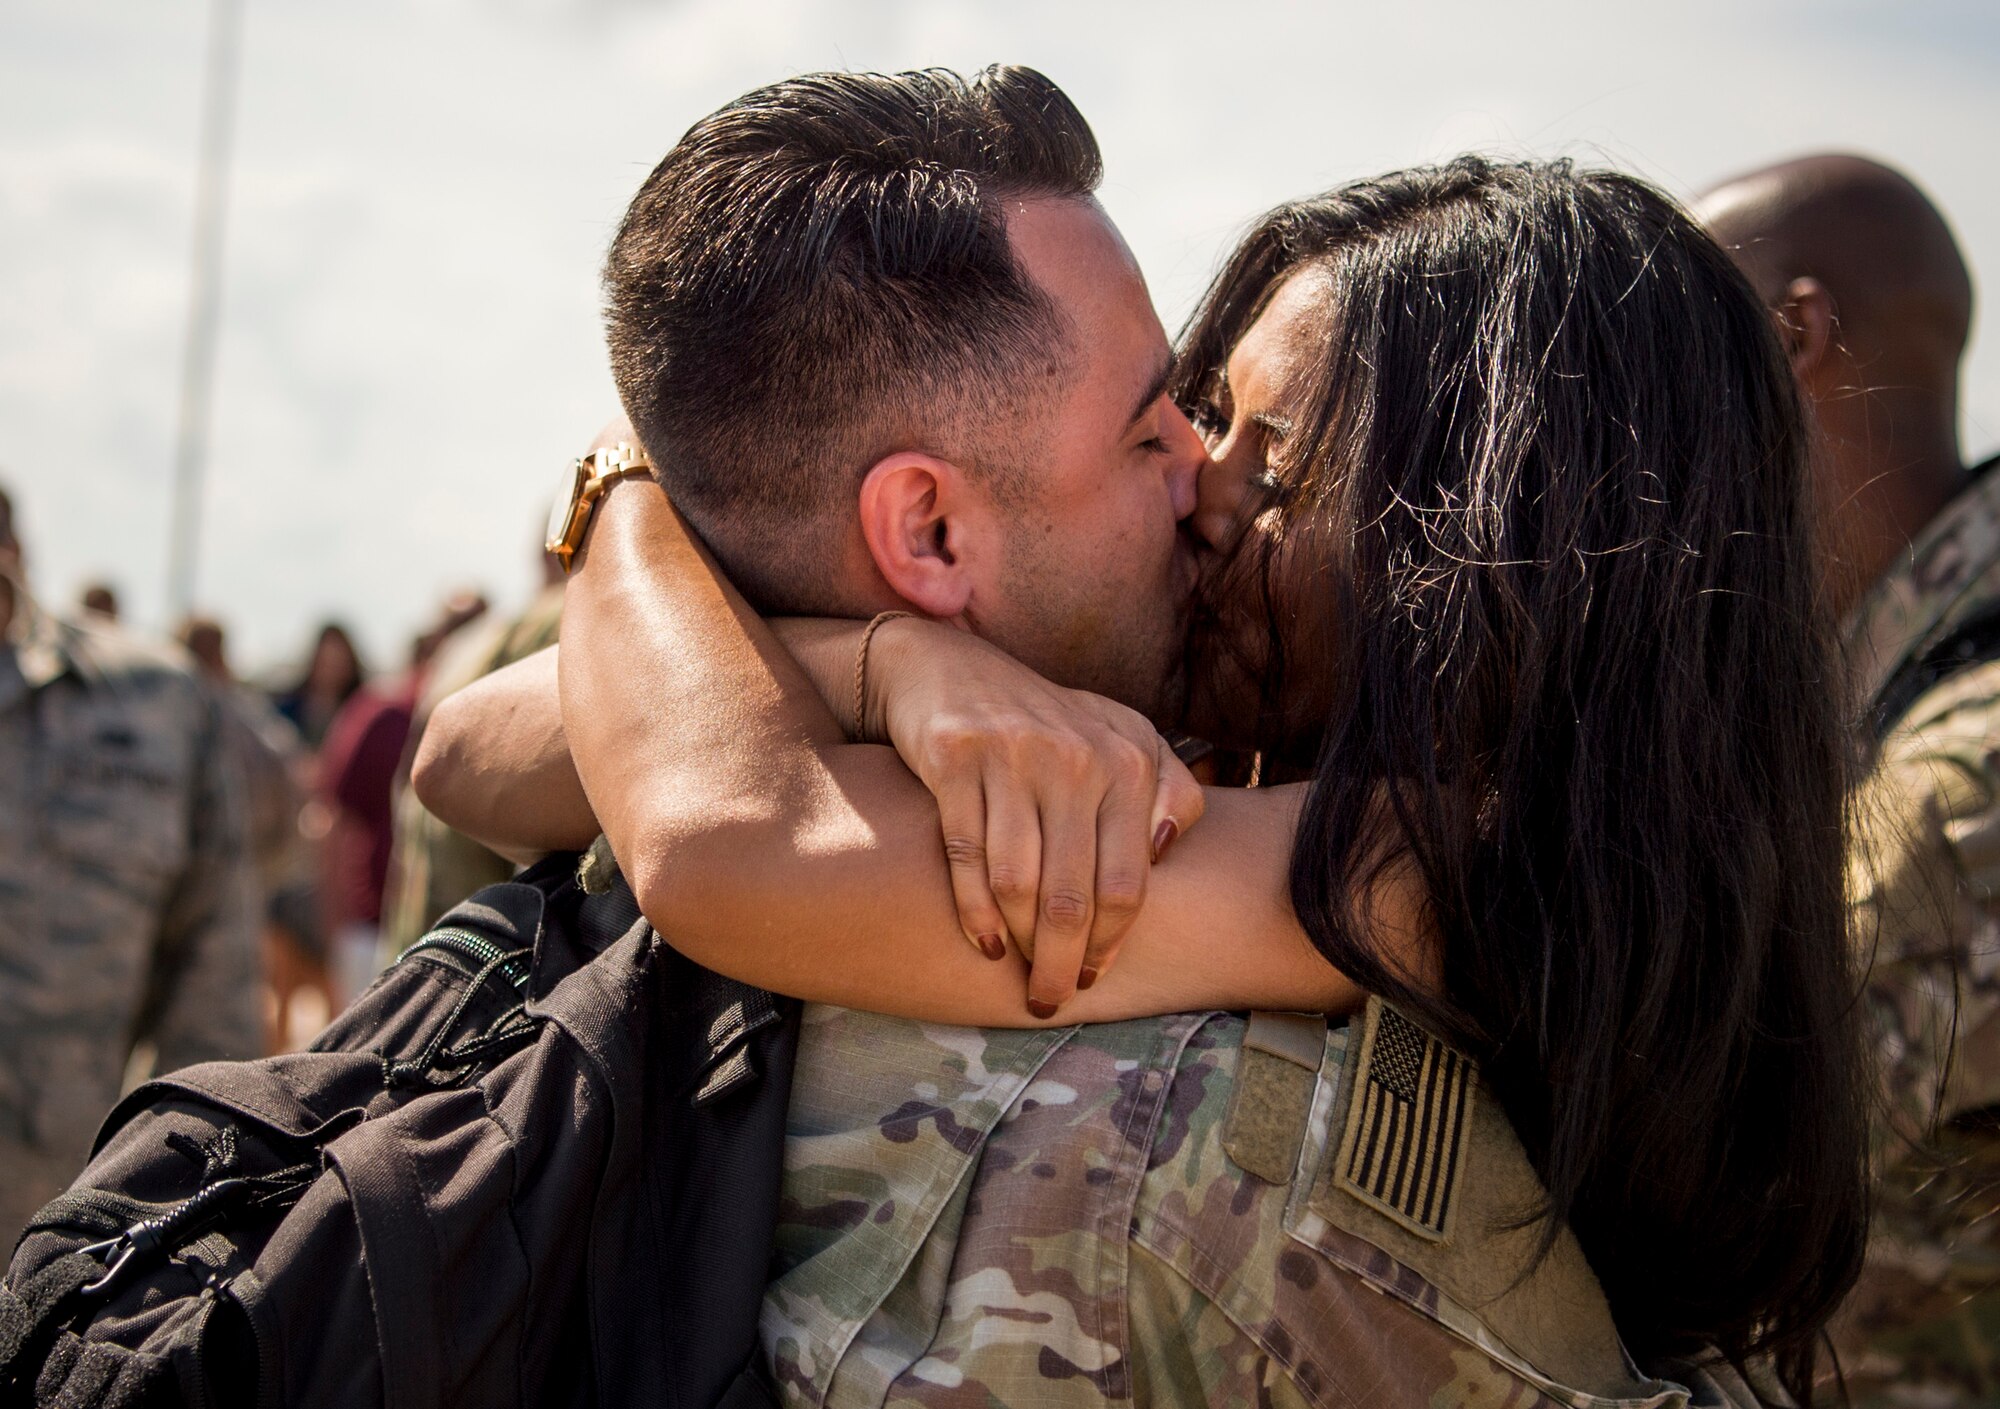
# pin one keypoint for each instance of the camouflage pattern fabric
(127, 895)
(266, 751)
(1924, 1325)
(991, 1218)
(433, 867)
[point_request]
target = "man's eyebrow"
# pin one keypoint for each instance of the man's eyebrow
(1155, 389)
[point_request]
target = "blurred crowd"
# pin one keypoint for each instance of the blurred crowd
(350, 868)
(217, 864)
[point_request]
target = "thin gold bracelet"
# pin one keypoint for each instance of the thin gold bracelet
(861, 672)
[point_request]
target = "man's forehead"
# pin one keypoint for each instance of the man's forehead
(1043, 228)
(1073, 252)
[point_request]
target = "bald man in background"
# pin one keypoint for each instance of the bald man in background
(1874, 302)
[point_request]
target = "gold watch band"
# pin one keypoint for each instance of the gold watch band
(585, 483)
(614, 462)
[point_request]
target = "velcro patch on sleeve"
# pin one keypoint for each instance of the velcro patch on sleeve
(1407, 1123)
(1276, 1074)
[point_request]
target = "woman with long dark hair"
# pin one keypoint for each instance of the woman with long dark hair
(332, 672)
(1511, 582)
(1544, 437)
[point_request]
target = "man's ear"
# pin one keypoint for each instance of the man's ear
(1806, 327)
(918, 514)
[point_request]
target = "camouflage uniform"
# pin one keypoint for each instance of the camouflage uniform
(265, 750)
(1189, 1210)
(1924, 1326)
(433, 867)
(126, 893)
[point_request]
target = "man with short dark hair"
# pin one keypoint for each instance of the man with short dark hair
(906, 232)
(1874, 302)
(887, 351)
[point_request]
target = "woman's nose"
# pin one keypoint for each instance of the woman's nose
(1186, 465)
(1219, 494)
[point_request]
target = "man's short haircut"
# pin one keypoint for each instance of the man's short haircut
(818, 275)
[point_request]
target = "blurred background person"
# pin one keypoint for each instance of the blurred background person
(431, 866)
(262, 741)
(1874, 301)
(100, 600)
(357, 777)
(126, 890)
(297, 952)
(271, 761)
(333, 672)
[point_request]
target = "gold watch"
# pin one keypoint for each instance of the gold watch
(583, 484)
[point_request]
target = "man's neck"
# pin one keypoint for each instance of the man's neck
(1893, 467)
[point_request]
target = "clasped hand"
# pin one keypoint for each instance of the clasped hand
(1055, 803)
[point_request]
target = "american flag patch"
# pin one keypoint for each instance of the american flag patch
(1407, 1123)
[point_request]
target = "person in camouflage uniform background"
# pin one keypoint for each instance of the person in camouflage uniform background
(1875, 302)
(127, 893)
(267, 749)
(433, 867)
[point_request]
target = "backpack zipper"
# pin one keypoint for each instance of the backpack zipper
(477, 948)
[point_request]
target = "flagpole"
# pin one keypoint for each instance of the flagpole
(225, 21)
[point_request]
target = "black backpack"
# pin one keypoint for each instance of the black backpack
(537, 1162)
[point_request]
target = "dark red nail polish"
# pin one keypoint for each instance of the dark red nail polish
(1041, 1008)
(992, 946)
(1085, 977)
(1164, 837)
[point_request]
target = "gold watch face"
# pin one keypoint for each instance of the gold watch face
(567, 516)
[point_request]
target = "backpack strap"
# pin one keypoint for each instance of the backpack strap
(43, 1361)
(730, 1014)
(32, 1314)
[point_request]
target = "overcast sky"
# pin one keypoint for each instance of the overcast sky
(423, 190)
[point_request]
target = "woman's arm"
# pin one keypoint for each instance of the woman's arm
(493, 763)
(769, 848)
(1054, 803)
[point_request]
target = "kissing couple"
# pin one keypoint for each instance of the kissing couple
(1470, 518)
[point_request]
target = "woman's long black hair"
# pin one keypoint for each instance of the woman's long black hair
(1553, 468)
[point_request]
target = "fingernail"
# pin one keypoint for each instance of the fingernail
(1041, 1008)
(1085, 977)
(992, 946)
(1164, 837)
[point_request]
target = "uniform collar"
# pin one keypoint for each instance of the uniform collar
(1954, 561)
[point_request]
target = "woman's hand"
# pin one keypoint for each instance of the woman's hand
(1055, 803)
